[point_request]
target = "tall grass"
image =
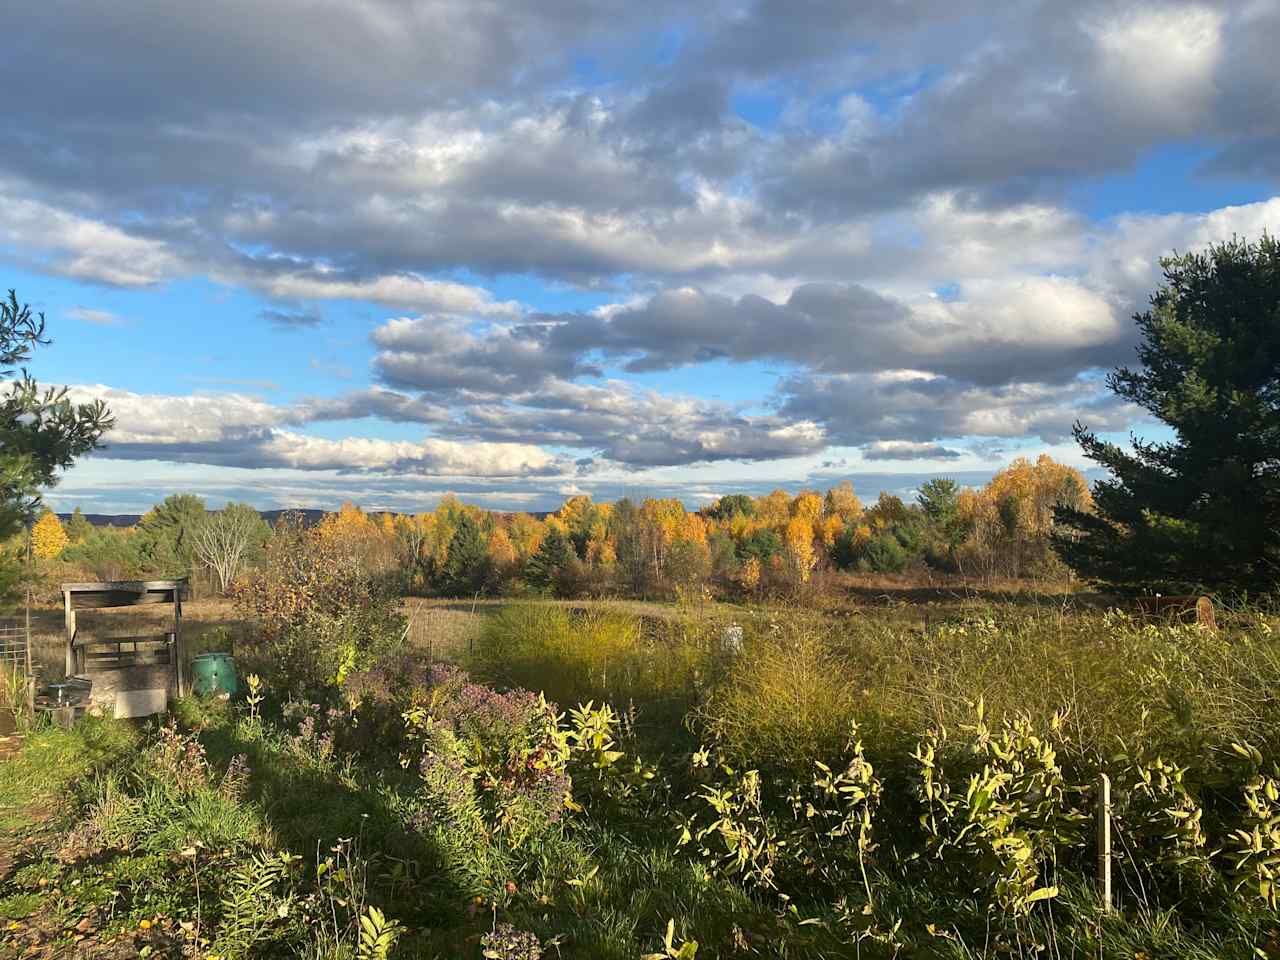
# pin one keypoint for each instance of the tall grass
(654, 666)
(789, 697)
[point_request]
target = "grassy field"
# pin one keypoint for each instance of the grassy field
(908, 774)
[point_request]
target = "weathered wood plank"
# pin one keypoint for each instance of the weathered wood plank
(93, 601)
(164, 638)
(124, 593)
(69, 620)
(137, 586)
(177, 643)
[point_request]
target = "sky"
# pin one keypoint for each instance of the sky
(311, 251)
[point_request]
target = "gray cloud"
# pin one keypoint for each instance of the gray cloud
(906, 450)
(393, 138)
(636, 428)
(859, 409)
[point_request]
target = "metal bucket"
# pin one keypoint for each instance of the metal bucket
(72, 691)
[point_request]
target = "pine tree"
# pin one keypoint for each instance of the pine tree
(78, 528)
(1200, 510)
(166, 534)
(41, 431)
(466, 568)
(554, 554)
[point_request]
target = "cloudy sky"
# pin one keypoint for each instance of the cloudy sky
(311, 250)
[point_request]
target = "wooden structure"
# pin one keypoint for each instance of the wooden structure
(135, 675)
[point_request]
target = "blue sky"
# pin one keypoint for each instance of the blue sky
(514, 252)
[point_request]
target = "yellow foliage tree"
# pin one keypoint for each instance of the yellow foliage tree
(800, 553)
(388, 524)
(352, 532)
(501, 550)
(749, 575)
(842, 502)
(774, 510)
(349, 523)
(830, 527)
(48, 538)
(1012, 517)
(526, 535)
(807, 506)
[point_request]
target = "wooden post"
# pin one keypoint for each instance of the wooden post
(1104, 841)
(69, 618)
(177, 636)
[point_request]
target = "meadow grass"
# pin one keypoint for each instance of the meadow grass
(1023, 702)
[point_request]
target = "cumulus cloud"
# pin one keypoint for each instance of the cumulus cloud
(859, 409)
(236, 430)
(82, 247)
(395, 291)
(1048, 327)
(879, 209)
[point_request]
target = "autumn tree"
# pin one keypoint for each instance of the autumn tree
(48, 538)
(1010, 522)
(409, 536)
(1200, 509)
(840, 501)
(799, 547)
(227, 539)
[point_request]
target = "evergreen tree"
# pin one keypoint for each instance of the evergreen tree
(939, 499)
(1200, 510)
(466, 567)
(731, 504)
(553, 556)
(78, 528)
(166, 535)
(41, 432)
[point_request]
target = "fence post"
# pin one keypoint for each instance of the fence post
(1104, 841)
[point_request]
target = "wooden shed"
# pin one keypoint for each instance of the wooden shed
(133, 675)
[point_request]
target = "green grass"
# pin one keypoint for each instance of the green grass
(54, 763)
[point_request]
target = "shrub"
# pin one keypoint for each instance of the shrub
(319, 613)
(495, 755)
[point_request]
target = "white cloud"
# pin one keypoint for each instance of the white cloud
(100, 318)
(405, 290)
(84, 248)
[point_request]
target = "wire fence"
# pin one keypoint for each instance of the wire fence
(15, 645)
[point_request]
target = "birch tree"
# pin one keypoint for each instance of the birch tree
(227, 539)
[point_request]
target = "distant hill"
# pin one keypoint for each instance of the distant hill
(309, 517)
(106, 519)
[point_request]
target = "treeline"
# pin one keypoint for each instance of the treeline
(741, 547)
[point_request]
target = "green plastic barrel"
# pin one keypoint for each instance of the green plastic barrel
(213, 674)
